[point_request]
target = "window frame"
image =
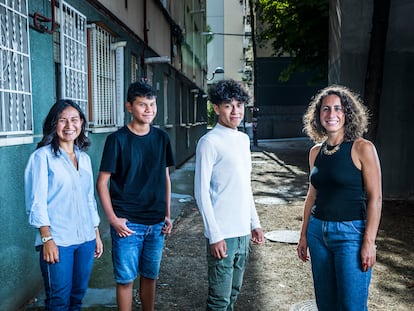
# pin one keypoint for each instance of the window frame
(16, 106)
(105, 79)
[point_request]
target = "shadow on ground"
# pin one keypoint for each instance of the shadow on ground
(275, 279)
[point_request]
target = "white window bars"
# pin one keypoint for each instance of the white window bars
(15, 77)
(107, 78)
(134, 68)
(73, 55)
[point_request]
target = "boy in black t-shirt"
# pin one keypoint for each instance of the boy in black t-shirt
(135, 163)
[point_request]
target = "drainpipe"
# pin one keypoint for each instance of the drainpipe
(145, 39)
(255, 108)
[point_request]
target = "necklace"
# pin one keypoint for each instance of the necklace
(328, 152)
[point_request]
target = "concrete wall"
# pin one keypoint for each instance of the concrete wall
(396, 131)
(281, 104)
(351, 26)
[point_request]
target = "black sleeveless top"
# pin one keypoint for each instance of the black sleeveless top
(339, 185)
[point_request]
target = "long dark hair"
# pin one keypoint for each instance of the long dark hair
(49, 127)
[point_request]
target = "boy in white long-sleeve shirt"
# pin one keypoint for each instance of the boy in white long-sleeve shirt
(224, 197)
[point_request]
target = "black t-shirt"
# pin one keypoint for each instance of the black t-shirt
(138, 166)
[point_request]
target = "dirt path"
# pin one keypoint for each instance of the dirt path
(275, 279)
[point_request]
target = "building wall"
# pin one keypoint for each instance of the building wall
(17, 254)
(349, 50)
(281, 104)
(132, 15)
(229, 46)
(233, 44)
(215, 48)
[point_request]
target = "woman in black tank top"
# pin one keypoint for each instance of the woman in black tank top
(342, 209)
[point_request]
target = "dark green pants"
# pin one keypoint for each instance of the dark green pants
(225, 276)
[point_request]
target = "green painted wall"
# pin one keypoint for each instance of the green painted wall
(18, 259)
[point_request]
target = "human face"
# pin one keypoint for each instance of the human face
(230, 114)
(143, 109)
(69, 125)
(332, 115)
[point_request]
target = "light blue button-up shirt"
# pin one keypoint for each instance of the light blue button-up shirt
(60, 196)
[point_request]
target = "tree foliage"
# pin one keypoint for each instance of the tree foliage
(299, 29)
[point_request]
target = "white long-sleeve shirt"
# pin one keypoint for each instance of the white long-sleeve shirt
(222, 184)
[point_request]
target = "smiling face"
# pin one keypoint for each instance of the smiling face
(143, 109)
(331, 115)
(230, 114)
(69, 125)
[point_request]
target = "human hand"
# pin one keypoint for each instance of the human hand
(302, 249)
(257, 236)
(166, 229)
(98, 247)
(121, 228)
(50, 252)
(368, 256)
(219, 250)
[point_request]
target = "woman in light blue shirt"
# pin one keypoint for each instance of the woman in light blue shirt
(60, 203)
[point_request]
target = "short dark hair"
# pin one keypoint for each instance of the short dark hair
(225, 91)
(50, 136)
(140, 89)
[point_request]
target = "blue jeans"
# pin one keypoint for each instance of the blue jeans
(340, 284)
(140, 252)
(225, 276)
(66, 282)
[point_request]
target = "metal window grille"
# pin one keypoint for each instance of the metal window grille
(107, 78)
(195, 108)
(15, 76)
(165, 93)
(180, 113)
(134, 68)
(150, 75)
(73, 56)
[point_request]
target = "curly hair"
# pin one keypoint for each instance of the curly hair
(225, 91)
(50, 136)
(356, 114)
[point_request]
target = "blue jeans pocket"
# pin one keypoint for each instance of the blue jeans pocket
(357, 226)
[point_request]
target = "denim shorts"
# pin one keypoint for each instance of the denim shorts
(139, 253)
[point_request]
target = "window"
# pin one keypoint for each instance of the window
(15, 79)
(150, 75)
(180, 111)
(195, 109)
(134, 68)
(73, 56)
(106, 79)
(165, 94)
